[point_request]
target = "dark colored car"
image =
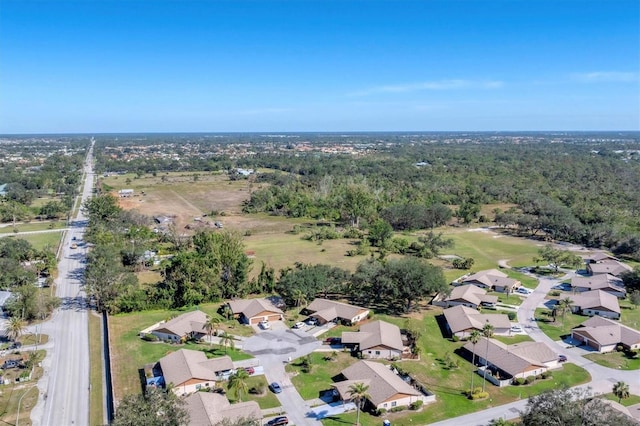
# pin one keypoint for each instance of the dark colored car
(278, 421)
(333, 341)
(275, 387)
(562, 358)
(10, 363)
(16, 345)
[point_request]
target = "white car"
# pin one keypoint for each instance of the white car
(264, 324)
(516, 328)
(298, 325)
(523, 290)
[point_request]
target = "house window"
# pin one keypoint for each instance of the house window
(384, 405)
(207, 384)
(377, 352)
(393, 404)
(368, 351)
(198, 387)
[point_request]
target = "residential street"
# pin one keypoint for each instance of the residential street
(602, 378)
(274, 348)
(64, 387)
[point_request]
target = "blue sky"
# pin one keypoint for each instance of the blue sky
(181, 66)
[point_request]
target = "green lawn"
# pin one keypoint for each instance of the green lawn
(95, 361)
(629, 315)
(616, 360)
(265, 400)
(561, 327)
(40, 241)
(33, 226)
(632, 400)
(130, 353)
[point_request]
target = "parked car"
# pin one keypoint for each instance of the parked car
(516, 328)
(275, 387)
(10, 363)
(278, 421)
(562, 358)
(332, 341)
(523, 290)
(15, 345)
(312, 321)
(250, 370)
(264, 324)
(298, 325)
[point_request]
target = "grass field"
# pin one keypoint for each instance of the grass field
(629, 314)
(7, 228)
(265, 400)
(95, 379)
(617, 360)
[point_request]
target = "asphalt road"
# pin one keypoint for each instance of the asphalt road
(274, 348)
(64, 387)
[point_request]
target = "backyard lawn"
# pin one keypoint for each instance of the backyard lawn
(266, 399)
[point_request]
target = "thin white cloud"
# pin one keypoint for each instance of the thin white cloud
(606, 77)
(454, 84)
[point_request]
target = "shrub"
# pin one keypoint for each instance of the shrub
(148, 337)
(399, 408)
(479, 395)
(619, 348)
(257, 390)
(455, 338)
(555, 293)
(512, 316)
(518, 381)
(546, 375)
(530, 379)
(416, 405)
(379, 412)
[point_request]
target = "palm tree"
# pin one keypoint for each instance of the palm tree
(358, 392)
(565, 305)
(299, 297)
(238, 383)
(14, 328)
(473, 338)
(227, 340)
(487, 331)
(212, 324)
(621, 390)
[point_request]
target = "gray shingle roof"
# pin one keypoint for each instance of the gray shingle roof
(461, 318)
(185, 364)
(330, 309)
(209, 409)
(376, 333)
(599, 282)
(607, 332)
(513, 359)
(471, 294)
(491, 278)
(186, 323)
(383, 383)
(596, 299)
(251, 307)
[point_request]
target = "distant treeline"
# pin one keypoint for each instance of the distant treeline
(577, 188)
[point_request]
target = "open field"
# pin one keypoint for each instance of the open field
(130, 353)
(7, 228)
(40, 241)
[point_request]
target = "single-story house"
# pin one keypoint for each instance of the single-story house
(598, 257)
(604, 282)
(492, 279)
(211, 409)
(461, 321)
(124, 193)
(386, 389)
(514, 361)
(252, 311)
(185, 326)
(604, 335)
(608, 266)
(189, 371)
(325, 310)
(467, 295)
(377, 339)
(596, 302)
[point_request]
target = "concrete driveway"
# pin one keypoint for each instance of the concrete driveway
(274, 348)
